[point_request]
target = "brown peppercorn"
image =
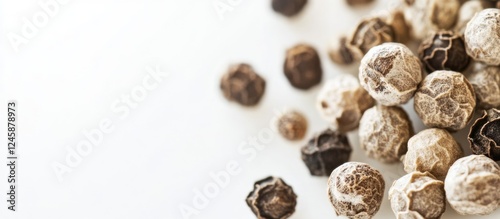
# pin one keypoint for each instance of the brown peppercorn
(325, 152)
(341, 54)
(272, 198)
(481, 36)
(390, 73)
(342, 101)
(292, 125)
(417, 195)
(243, 85)
(445, 99)
(358, 2)
(484, 135)
(486, 84)
(356, 190)
(433, 150)
(472, 185)
(443, 50)
(384, 133)
(288, 8)
(303, 67)
(370, 32)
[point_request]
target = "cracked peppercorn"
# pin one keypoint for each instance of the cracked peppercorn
(484, 135)
(356, 190)
(272, 198)
(472, 185)
(325, 152)
(443, 50)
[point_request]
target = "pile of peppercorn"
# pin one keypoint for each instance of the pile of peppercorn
(454, 73)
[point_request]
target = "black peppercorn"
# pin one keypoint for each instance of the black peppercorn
(325, 152)
(484, 135)
(340, 53)
(303, 67)
(272, 198)
(444, 50)
(243, 85)
(288, 7)
(369, 33)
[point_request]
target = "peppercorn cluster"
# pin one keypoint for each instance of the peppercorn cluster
(454, 73)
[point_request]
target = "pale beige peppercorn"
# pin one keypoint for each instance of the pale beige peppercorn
(356, 190)
(467, 11)
(342, 101)
(472, 185)
(425, 16)
(445, 99)
(390, 73)
(486, 84)
(384, 133)
(417, 195)
(482, 36)
(292, 125)
(433, 150)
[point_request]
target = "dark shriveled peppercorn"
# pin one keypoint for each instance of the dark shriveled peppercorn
(325, 152)
(484, 135)
(272, 198)
(302, 67)
(288, 7)
(444, 50)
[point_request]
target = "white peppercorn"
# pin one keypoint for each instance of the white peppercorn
(445, 99)
(486, 84)
(430, 15)
(356, 190)
(481, 36)
(472, 185)
(433, 150)
(390, 73)
(417, 195)
(384, 133)
(342, 102)
(467, 11)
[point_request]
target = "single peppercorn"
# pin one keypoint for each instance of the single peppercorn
(302, 67)
(472, 185)
(292, 125)
(243, 85)
(486, 84)
(481, 36)
(288, 8)
(356, 190)
(417, 195)
(272, 198)
(384, 133)
(342, 101)
(445, 99)
(433, 150)
(444, 50)
(370, 32)
(325, 152)
(390, 73)
(484, 135)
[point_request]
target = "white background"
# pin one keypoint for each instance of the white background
(90, 53)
